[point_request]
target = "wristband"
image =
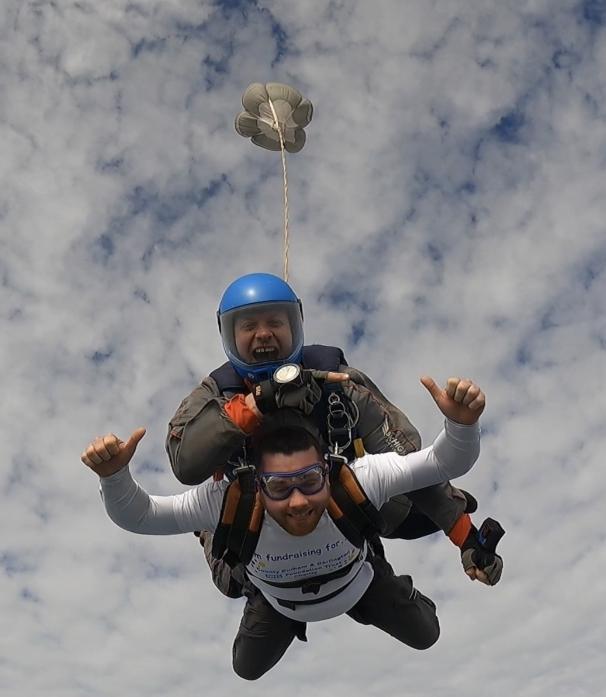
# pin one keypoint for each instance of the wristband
(241, 414)
(460, 530)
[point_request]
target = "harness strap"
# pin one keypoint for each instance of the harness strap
(237, 534)
(228, 380)
(343, 523)
(321, 357)
(292, 604)
(355, 507)
(337, 425)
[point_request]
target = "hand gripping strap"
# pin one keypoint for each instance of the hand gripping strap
(265, 396)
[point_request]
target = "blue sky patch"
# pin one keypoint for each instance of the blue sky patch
(509, 127)
(105, 244)
(358, 330)
(101, 356)
(14, 564)
(339, 297)
(594, 12)
(148, 46)
(29, 596)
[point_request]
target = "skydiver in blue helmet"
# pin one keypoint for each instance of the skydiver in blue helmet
(260, 320)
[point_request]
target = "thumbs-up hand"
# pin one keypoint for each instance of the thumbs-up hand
(107, 454)
(461, 401)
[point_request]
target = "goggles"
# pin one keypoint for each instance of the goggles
(278, 486)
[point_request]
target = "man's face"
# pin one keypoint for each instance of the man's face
(298, 514)
(263, 336)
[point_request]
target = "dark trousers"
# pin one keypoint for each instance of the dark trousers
(390, 603)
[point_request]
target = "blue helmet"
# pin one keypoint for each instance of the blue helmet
(261, 325)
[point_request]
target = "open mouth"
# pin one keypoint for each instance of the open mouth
(265, 353)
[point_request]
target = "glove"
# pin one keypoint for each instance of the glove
(302, 394)
(473, 554)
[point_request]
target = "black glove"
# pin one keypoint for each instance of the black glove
(477, 551)
(303, 393)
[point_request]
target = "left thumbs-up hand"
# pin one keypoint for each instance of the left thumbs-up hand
(461, 401)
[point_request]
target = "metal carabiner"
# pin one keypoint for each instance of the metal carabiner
(339, 422)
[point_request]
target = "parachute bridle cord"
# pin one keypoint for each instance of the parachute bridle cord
(274, 118)
(277, 127)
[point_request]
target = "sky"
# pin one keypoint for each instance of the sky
(447, 216)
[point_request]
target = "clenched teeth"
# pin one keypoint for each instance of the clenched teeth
(265, 352)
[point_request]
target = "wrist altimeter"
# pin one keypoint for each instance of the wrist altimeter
(265, 391)
(287, 374)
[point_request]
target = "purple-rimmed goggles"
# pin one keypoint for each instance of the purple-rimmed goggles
(280, 485)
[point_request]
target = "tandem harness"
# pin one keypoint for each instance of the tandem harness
(336, 416)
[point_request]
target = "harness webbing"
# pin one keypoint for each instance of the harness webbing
(237, 534)
(355, 507)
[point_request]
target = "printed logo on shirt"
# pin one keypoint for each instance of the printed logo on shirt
(261, 561)
(290, 566)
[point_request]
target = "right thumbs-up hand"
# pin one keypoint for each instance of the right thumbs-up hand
(107, 454)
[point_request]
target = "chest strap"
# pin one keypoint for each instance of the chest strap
(293, 604)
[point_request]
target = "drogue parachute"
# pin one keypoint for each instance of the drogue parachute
(272, 110)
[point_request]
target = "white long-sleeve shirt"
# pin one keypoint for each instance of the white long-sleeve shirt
(281, 558)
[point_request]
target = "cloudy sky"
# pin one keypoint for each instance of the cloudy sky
(447, 215)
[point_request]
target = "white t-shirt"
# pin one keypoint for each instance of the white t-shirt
(281, 558)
